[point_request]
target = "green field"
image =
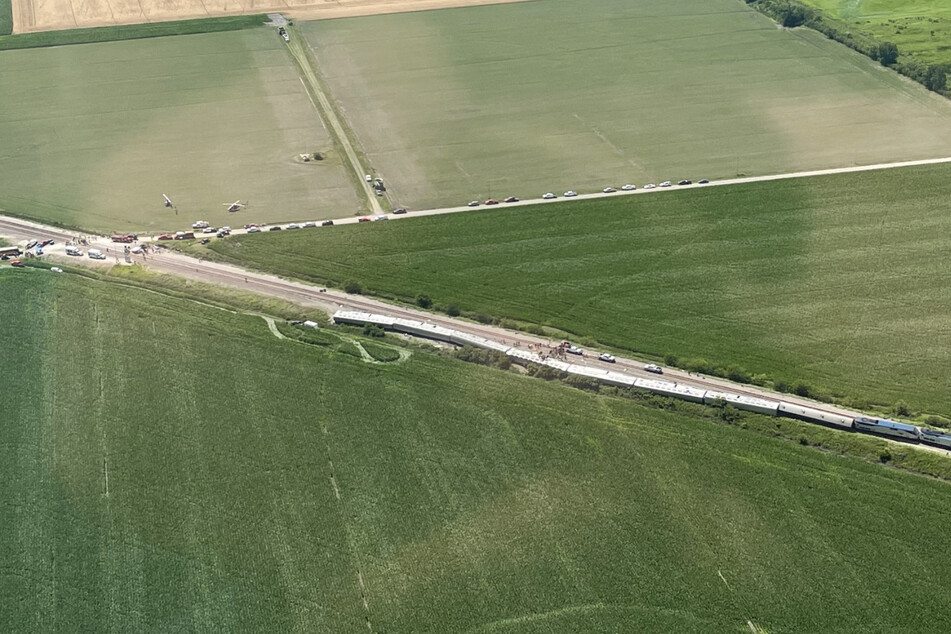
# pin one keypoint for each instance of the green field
(921, 28)
(6, 17)
(167, 466)
(525, 98)
(94, 134)
(838, 281)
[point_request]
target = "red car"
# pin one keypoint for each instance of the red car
(165, 236)
(491, 201)
(16, 263)
(364, 219)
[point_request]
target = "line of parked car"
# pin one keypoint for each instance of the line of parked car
(572, 193)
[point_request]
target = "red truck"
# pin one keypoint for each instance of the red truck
(130, 237)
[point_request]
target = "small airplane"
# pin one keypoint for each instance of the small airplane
(235, 206)
(168, 201)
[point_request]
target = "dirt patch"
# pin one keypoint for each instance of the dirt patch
(52, 15)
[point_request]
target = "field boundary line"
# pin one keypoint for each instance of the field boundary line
(326, 110)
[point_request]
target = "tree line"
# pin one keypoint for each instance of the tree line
(793, 13)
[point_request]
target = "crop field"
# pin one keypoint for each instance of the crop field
(526, 98)
(94, 134)
(837, 280)
(921, 28)
(6, 17)
(169, 466)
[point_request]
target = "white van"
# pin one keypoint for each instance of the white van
(71, 250)
(96, 254)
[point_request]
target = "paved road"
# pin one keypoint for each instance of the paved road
(329, 300)
(637, 192)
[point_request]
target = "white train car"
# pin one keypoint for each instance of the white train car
(617, 379)
(524, 355)
(468, 339)
(884, 427)
(936, 438)
(810, 415)
(420, 329)
(360, 318)
(557, 364)
(671, 389)
(748, 403)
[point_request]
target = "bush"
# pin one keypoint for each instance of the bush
(353, 287)
(671, 360)
(885, 455)
(372, 330)
(424, 301)
(803, 389)
(901, 409)
(453, 310)
(492, 358)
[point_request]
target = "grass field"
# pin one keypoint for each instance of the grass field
(95, 134)
(6, 17)
(525, 98)
(126, 31)
(921, 28)
(170, 466)
(837, 281)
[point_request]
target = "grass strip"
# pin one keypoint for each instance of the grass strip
(123, 31)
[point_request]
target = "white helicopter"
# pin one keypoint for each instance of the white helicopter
(235, 206)
(168, 201)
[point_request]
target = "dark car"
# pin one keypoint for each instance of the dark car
(684, 182)
(205, 241)
(31, 244)
(275, 228)
(327, 223)
(511, 199)
(401, 210)
(702, 181)
(46, 243)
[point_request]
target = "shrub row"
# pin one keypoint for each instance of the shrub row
(792, 13)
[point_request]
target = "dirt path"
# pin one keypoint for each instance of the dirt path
(304, 61)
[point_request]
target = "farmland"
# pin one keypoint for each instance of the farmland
(94, 134)
(837, 281)
(921, 28)
(167, 465)
(525, 98)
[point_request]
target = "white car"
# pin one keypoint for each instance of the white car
(474, 203)
(628, 188)
(209, 230)
(201, 224)
(308, 225)
(573, 350)
(228, 229)
(604, 356)
(656, 369)
(367, 178)
(665, 184)
(136, 249)
(380, 218)
(549, 196)
(570, 193)
(293, 225)
(56, 269)
(650, 186)
(254, 229)
(608, 190)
